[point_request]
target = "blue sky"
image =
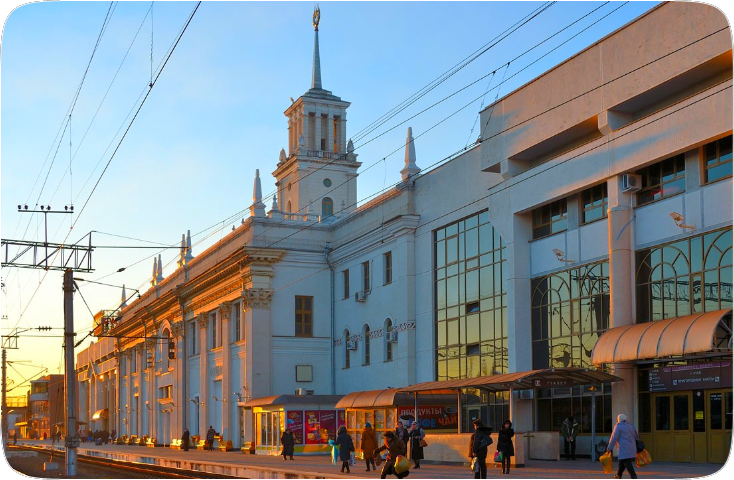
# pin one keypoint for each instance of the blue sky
(216, 114)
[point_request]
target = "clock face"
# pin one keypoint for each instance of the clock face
(327, 182)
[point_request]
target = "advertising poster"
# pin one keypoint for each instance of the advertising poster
(328, 425)
(341, 418)
(430, 416)
(313, 427)
(294, 421)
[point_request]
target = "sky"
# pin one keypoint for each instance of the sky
(215, 114)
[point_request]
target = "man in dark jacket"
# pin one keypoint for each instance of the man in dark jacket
(288, 443)
(569, 431)
(403, 434)
(210, 437)
(478, 444)
(185, 440)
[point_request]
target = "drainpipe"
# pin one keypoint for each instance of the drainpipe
(327, 250)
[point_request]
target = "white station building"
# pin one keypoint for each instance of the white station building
(590, 226)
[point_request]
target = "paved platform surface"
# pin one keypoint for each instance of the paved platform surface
(321, 466)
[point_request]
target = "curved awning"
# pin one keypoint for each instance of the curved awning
(293, 400)
(104, 413)
(374, 398)
(690, 335)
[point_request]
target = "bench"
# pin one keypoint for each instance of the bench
(176, 444)
(150, 442)
(225, 445)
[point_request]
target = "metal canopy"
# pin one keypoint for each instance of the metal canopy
(693, 334)
(104, 413)
(389, 397)
(293, 400)
(519, 380)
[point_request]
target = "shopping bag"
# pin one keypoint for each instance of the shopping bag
(498, 457)
(643, 458)
(474, 465)
(606, 462)
(351, 459)
(402, 464)
(423, 443)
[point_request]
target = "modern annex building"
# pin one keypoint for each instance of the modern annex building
(593, 228)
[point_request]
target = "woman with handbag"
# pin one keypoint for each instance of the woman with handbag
(368, 446)
(346, 447)
(624, 435)
(416, 441)
(505, 448)
(478, 444)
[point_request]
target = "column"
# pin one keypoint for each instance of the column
(307, 134)
(138, 359)
(152, 406)
(203, 320)
(291, 129)
(180, 400)
(317, 130)
(621, 283)
(343, 133)
(129, 359)
(225, 312)
(330, 133)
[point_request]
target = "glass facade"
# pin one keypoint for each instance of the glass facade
(570, 311)
(685, 277)
(471, 310)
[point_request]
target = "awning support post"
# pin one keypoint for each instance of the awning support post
(512, 413)
(458, 408)
(415, 405)
(593, 423)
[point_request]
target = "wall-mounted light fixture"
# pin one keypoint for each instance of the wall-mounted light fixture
(679, 220)
(561, 256)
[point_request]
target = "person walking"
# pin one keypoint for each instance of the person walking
(625, 436)
(368, 446)
(505, 446)
(346, 447)
(394, 446)
(288, 443)
(478, 444)
(402, 433)
(15, 437)
(416, 434)
(569, 431)
(210, 437)
(185, 440)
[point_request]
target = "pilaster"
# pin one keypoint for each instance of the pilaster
(203, 321)
(330, 132)
(225, 312)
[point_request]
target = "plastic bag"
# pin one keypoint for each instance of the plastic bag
(351, 459)
(498, 457)
(402, 464)
(643, 458)
(606, 462)
(474, 465)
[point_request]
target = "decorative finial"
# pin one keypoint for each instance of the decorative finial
(410, 169)
(258, 207)
(316, 17)
(123, 303)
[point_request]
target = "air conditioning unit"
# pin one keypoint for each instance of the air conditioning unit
(392, 336)
(351, 345)
(300, 391)
(360, 296)
(525, 394)
(631, 182)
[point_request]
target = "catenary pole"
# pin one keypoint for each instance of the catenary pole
(71, 440)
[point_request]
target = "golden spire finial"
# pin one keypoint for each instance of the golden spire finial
(316, 17)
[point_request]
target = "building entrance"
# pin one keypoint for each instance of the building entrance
(718, 424)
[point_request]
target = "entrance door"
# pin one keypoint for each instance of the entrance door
(672, 427)
(718, 424)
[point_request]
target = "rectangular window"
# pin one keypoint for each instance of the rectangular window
(164, 392)
(193, 335)
(366, 276)
(236, 324)
(304, 316)
(717, 160)
(662, 179)
(214, 326)
(550, 219)
(134, 361)
(388, 267)
(594, 201)
(345, 275)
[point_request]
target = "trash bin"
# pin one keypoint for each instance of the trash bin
(98, 441)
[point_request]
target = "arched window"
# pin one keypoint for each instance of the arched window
(162, 350)
(327, 207)
(388, 342)
(346, 348)
(289, 206)
(366, 333)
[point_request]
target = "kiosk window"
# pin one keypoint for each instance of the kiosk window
(715, 407)
(662, 413)
(680, 408)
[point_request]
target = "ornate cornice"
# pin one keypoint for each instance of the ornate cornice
(212, 297)
(257, 297)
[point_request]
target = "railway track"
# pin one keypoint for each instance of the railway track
(95, 466)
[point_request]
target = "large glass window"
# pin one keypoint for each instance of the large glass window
(717, 160)
(557, 403)
(594, 203)
(550, 219)
(471, 306)
(304, 316)
(685, 277)
(662, 179)
(570, 311)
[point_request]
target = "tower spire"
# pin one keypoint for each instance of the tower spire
(410, 169)
(316, 73)
(258, 207)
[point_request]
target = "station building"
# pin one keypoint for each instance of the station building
(590, 227)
